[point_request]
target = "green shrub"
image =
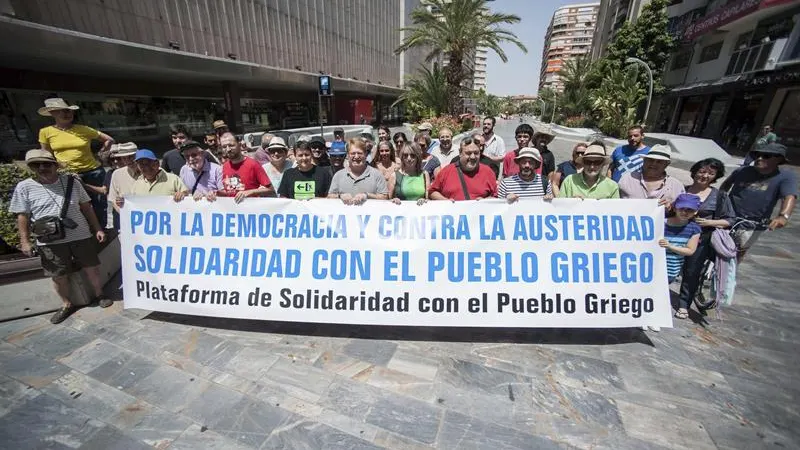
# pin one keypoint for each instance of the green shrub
(10, 175)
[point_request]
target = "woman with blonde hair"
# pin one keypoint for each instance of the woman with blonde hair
(409, 181)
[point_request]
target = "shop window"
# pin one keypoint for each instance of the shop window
(689, 114)
(710, 52)
(787, 124)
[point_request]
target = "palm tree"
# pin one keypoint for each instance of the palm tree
(575, 103)
(454, 29)
(426, 93)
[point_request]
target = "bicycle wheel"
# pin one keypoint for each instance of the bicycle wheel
(705, 298)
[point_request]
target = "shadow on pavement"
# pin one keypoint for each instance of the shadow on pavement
(561, 336)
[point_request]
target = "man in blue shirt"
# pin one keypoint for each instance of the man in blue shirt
(628, 158)
(755, 190)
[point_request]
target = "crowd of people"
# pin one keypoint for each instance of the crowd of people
(69, 213)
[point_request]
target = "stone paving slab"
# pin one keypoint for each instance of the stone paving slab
(113, 378)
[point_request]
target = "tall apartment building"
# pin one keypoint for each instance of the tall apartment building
(479, 72)
(736, 69)
(137, 66)
(612, 15)
(568, 36)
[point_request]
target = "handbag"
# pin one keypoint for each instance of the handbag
(52, 228)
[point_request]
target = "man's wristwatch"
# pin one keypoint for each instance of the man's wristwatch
(786, 216)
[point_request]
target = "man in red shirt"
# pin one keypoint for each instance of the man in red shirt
(467, 179)
(242, 177)
(523, 135)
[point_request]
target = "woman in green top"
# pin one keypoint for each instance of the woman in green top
(409, 182)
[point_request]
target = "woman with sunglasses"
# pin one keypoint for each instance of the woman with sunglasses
(430, 164)
(385, 159)
(568, 168)
(399, 140)
(278, 160)
(409, 181)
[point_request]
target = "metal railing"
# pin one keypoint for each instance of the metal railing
(762, 56)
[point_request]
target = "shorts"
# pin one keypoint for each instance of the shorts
(59, 259)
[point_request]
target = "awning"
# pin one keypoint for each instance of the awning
(36, 47)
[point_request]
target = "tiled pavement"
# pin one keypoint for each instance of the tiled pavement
(114, 379)
(108, 379)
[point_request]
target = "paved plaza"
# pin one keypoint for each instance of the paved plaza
(117, 379)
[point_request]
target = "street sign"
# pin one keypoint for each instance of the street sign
(325, 88)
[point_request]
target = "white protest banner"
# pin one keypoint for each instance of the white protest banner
(568, 263)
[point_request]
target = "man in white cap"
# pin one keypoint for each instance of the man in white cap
(122, 178)
(590, 182)
(652, 181)
(426, 128)
(527, 183)
(63, 229)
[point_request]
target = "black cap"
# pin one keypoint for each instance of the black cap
(338, 131)
(317, 141)
(190, 144)
(773, 148)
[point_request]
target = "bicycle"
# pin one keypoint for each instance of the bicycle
(741, 232)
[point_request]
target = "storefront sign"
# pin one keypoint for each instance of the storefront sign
(774, 79)
(569, 263)
(727, 14)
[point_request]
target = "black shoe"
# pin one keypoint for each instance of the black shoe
(104, 302)
(62, 314)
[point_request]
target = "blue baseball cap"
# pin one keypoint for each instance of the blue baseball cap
(687, 201)
(337, 149)
(145, 154)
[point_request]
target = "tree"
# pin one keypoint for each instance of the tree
(616, 99)
(648, 39)
(575, 104)
(488, 104)
(454, 29)
(426, 93)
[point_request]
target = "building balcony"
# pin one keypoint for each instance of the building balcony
(763, 56)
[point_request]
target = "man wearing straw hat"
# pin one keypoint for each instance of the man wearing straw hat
(58, 212)
(590, 183)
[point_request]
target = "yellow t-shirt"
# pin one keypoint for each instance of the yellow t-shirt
(71, 147)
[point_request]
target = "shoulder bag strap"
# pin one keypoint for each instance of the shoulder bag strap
(67, 197)
(463, 182)
(197, 181)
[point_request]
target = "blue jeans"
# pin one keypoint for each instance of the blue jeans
(96, 177)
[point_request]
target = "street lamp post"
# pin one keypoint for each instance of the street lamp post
(544, 108)
(555, 105)
(632, 60)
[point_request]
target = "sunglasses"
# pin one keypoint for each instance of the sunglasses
(759, 155)
(36, 165)
(593, 162)
(409, 155)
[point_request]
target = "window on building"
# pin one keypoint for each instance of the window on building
(681, 60)
(743, 41)
(710, 52)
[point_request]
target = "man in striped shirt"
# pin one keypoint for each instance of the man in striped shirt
(527, 183)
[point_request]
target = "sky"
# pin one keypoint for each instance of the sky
(520, 75)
